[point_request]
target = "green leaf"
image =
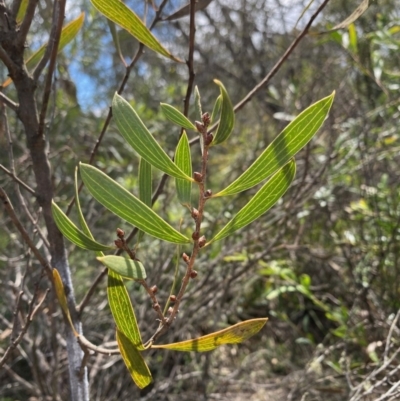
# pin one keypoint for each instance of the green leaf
(137, 135)
(134, 361)
(67, 34)
(216, 109)
(125, 205)
(22, 11)
(122, 310)
(289, 142)
(197, 104)
(227, 120)
(145, 186)
(119, 13)
(262, 201)
(127, 268)
(73, 233)
(82, 220)
(232, 335)
(184, 162)
(176, 117)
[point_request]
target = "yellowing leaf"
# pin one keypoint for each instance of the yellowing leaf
(134, 361)
(122, 15)
(231, 335)
(62, 299)
(67, 34)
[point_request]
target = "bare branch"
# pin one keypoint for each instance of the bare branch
(26, 23)
(86, 344)
(56, 30)
(6, 59)
(14, 218)
(10, 103)
(19, 181)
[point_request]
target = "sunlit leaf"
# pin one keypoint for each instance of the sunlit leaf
(134, 361)
(73, 233)
(137, 135)
(227, 119)
(122, 310)
(289, 142)
(67, 34)
(127, 268)
(176, 117)
(262, 201)
(22, 11)
(125, 205)
(62, 299)
(184, 162)
(119, 13)
(232, 335)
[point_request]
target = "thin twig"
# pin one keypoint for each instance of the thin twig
(389, 337)
(189, 63)
(121, 88)
(14, 218)
(58, 23)
(85, 343)
(26, 23)
(10, 103)
(32, 310)
(18, 180)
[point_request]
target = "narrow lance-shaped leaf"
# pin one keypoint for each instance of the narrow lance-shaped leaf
(122, 15)
(216, 109)
(122, 310)
(125, 205)
(197, 103)
(184, 162)
(118, 298)
(127, 268)
(175, 116)
(22, 11)
(289, 142)
(231, 335)
(137, 135)
(262, 201)
(134, 361)
(227, 119)
(145, 187)
(145, 182)
(68, 33)
(62, 299)
(73, 233)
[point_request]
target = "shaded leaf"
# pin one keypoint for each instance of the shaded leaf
(67, 34)
(122, 309)
(262, 201)
(184, 161)
(227, 119)
(115, 38)
(216, 109)
(122, 15)
(197, 104)
(145, 185)
(134, 361)
(231, 335)
(62, 299)
(73, 233)
(137, 135)
(360, 10)
(125, 205)
(289, 142)
(176, 117)
(127, 268)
